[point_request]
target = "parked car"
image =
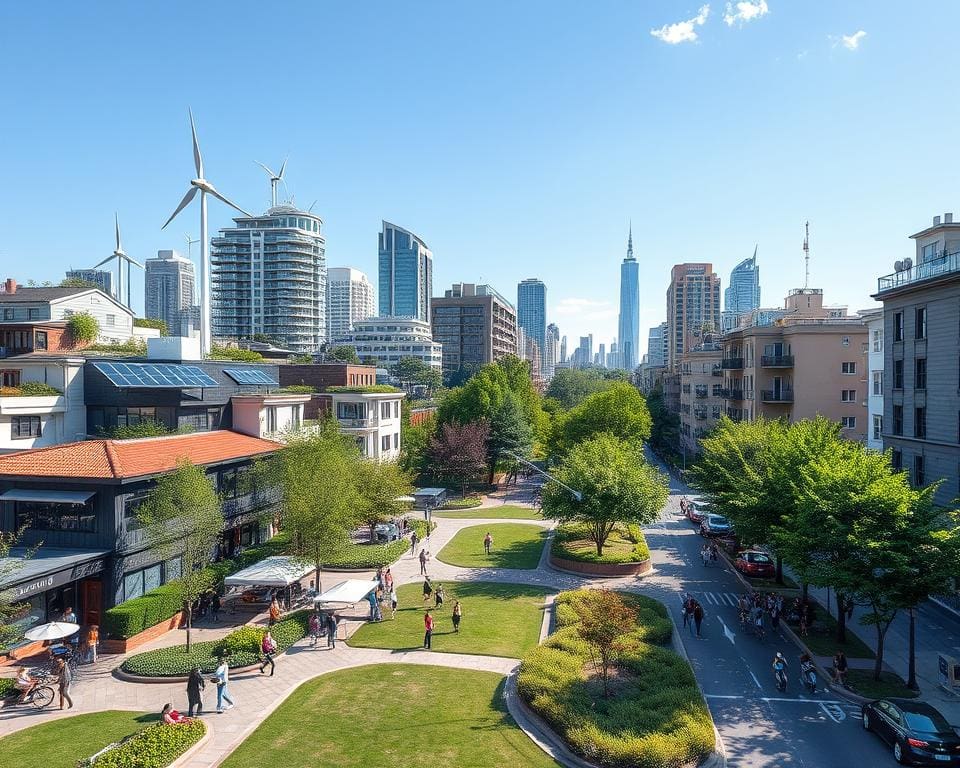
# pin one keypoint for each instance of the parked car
(755, 564)
(715, 525)
(695, 514)
(918, 733)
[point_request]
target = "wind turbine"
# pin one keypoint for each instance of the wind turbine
(204, 187)
(275, 179)
(121, 257)
(190, 242)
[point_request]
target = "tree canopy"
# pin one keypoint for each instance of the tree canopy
(510, 434)
(571, 386)
(619, 410)
(459, 451)
(344, 353)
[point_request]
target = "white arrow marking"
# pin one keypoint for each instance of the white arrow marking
(727, 631)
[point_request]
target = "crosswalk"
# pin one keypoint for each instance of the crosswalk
(717, 598)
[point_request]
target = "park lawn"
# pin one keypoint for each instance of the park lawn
(498, 620)
(515, 545)
(61, 743)
(392, 715)
(505, 511)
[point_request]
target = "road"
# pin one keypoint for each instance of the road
(760, 727)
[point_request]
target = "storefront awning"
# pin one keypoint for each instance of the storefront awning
(55, 497)
(347, 592)
(28, 573)
(277, 571)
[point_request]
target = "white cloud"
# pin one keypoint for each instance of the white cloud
(745, 10)
(851, 42)
(682, 31)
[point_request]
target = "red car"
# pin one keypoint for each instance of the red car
(693, 514)
(756, 565)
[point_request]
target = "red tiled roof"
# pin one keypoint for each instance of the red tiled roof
(115, 459)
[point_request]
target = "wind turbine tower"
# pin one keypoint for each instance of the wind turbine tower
(275, 179)
(122, 261)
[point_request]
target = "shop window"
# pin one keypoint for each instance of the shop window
(47, 516)
(131, 509)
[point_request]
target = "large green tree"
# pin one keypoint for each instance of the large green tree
(344, 353)
(615, 483)
(183, 517)
(415, 442)
(510, 434)
(459, 451)
(665, 424)
(571, 386)
(620, 410)
(380, 484)
(408, 370)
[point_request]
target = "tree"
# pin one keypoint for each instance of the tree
(315, 475)
(9, 565)
(407, 370)
(415, 443)
(462, 375)
(182, 515)
(345, 353)
(151, 322)
(620, 410)
(665, 425)
(604, 619)
(616, 486)
(429, 377)
(510, 433)
(571, 386)
(459, 451)
(380, 485)
(83, 328)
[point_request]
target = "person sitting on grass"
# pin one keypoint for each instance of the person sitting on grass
(171, 717)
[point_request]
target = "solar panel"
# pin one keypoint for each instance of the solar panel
(155, 375)
(250, 376)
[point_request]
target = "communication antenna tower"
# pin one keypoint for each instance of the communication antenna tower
(806, 258)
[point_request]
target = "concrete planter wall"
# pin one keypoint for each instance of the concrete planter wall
(608, 570)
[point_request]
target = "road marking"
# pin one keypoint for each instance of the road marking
(755, 680)
(770, 698)
(833, 711)
(728, 633)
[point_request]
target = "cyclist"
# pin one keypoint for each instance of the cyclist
(808, 673)
(780, 671)
(756, 619)
(25, 684)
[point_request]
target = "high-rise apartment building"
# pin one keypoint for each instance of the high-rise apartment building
(349, 298)
(532, 312)
(743, 292)
(475, 324)
(170, 293)
(563, 349)
(701, 393)
(628, 335)
(553, 351)
(602, 356)
(406, 274)
(693, 307)
(269, 277)
(101, 278)
(658, 345)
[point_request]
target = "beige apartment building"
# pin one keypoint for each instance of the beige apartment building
(810, 361)
(693, 308)
(701, 393)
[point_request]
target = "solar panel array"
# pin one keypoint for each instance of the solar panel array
(250, 376)
(155, 375)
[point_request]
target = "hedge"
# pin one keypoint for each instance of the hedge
(632, 545)
(242, 647)
(363, 556)
(656, 717)
(468, 503)
(156, 746)
(6, 685)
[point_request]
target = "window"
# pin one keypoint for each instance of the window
(878, 382)
(8, 314)
(385, 443)
(139, 582)
(396, 409)
(350, 411)
(898, 326)
(848, 368)
(396, 440)
(898, 374)
(23, 427)
(48, 516)
(10, 378)
(920, 330)
(920, 422)
(878, 341)
(848, 422)
(898, 419)
(877, 426)
(295, 418)
(918, 471)
(131, 508)
(40, 340)
(717, 390)
(111, 320)
(920, 373)
(716, 412)
(271, 418)
(896, 460)
(33, 313)
(848, 396)
(384, 410)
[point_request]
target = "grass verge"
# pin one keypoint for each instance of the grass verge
(515, 545)
(822, 638)
(890, 685)
(625, 544)
(504, 511)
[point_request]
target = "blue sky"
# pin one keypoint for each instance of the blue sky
(518, 139)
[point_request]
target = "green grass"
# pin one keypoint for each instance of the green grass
(625, 544)
(822, 638)
(515, 545)
(392, 715)
(61, 743)
(498, 620)
(890, 685)
(504, 511)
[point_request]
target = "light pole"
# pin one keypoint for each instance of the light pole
(576, 494)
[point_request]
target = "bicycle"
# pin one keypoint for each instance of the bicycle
(40, 697)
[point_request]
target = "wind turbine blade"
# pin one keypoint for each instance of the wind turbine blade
(270, 173)
(197, 159)
(116, 217)
(183, 204)
(133, 261)
(220, 197)
(109, 258)
(280, 175)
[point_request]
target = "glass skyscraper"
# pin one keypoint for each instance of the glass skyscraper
(170, 293)
(406, 274)
(532, 313)
(628, 334)
(743, 292)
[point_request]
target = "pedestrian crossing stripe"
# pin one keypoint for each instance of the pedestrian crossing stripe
(720, 598)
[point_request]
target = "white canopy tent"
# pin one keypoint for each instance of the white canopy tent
(276, 571)
(347, 592)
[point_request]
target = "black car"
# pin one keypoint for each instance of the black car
(918, 733)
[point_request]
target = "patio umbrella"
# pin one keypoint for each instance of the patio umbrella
(405, 499)
(55, 630)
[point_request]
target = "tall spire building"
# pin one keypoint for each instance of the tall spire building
(628, 334)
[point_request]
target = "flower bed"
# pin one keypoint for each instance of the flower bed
(468, 503)
(655, 717)
(156, 746)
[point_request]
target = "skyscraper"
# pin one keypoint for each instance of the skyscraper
(99, 277)
(628, 335)
(553, 351)
(270, 277)
(406, 274)
(743, 293)
(349, 298)
(532, 313)
(170, 293)
(658, 344)
(563, 349)
(693, 306)
(602, 356)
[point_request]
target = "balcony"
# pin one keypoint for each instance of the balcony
(731, 363)
(701, 392)
(776, 361)
(947, 264)
(363, 423)
(776, 395)
(717, 370)
(732, 394)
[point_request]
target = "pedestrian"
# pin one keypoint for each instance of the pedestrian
(314, 622)
(69, 616)
(688, 620)
(840, 668)
(66, 679)
(704, 554)
(427, 590)
(393, 602)
(714, 552)
(195, 684)
(413, 543)
(388, 581)
(274, 611)
(222, 678)
(423, 562)
(698, 615)
(804, 627)
(268, 647)
(374, 606)
(457, 615)
(487, 543)
(427, 630)
(438, 596)
(684, 597)
(775, 615)
(215, 605)
(331, 630)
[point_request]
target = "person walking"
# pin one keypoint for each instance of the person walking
(66, 680)
(688, 618)
(427, 630)
(439, 595)
(268, 647)
(457, 615)
(314, 623)
(487, 543)
(427, 590)
(274, 611)
(423, 562)
(331, 630)
(388, 581)
(215, 605)
(195, 684)
(698, 615)
(393, 602)
(374, 606)
(92, 641)
(413, 543)
(222, 678)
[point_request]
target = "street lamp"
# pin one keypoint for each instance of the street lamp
(576, 494)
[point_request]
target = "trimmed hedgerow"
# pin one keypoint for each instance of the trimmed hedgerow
(656, 717)
(362, 556)
(156, 746)
(625, 544)
(6, 685)
(468, 503)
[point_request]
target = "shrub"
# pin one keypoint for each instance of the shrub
(150, 322)
(218, 352)
(83, 328)
(468, 503)
(156, 746)
(135, 347)
(35, 388)
(362, 556)
(6, 685)
(657, 717)
(299, 389)
(366, 389)
(625, 545)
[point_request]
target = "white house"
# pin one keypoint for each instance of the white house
(41, 420)
(267, 415)
(372, 418)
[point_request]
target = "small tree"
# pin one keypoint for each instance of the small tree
(380, 485)
(415, 443)
(620, 410)
(408, 369)
(10, 610)
(78, 282)
(459, 451)
(183, 516)
(152, 322)
(604, 620)
(345, 353)
(615, 483)
(83, 328)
